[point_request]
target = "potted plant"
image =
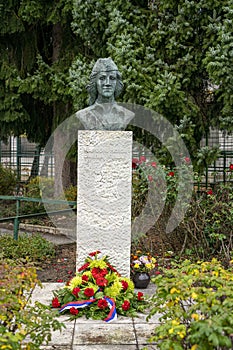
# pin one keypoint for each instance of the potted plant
(141, 265)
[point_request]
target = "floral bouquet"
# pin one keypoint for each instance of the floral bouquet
(142, 262)
(98, 291)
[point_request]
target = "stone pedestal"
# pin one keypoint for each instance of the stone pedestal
(104, 196)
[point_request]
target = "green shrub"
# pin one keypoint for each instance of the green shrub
(195, 301)
(22, 326)
(37, 184)
(71, 193)
(33, 248)
(34, 189)
(207, 228)
(8, 180)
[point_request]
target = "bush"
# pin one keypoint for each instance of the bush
(33, 190)
(71, 193)
(8, 180)
(207, 229)
(195, 301)
(21, 324)
(32, 248)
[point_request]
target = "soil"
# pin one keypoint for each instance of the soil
(60, 268)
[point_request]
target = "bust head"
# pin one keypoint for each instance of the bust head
(104, 67)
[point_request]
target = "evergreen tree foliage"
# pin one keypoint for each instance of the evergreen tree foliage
(175, 57)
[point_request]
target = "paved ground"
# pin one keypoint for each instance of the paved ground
(83, 334)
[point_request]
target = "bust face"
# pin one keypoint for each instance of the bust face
(106, 84)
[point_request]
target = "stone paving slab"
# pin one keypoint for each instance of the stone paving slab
(113, 333)
(105, 347)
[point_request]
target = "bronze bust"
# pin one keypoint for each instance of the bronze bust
(105, 85)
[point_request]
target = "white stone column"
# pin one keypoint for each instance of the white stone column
(104, 196)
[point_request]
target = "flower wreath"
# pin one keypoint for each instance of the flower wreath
(98, 291)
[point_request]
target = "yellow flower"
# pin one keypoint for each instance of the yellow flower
(171, 330)
(174, 290)
(194, 347)
(170, 303)
(194, 295)
(114, 290)
(136, 266)
(98, 263)
(75, 282)
(87, 273)
(181, 334)
(215, 273)
(195, 317)
(149, 266)
(175, 322)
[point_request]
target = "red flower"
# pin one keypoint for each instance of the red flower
(210, 192)
(59, 280)
(126, 305)
(85, 278)
(75, 291)
(142, 159)
(231, 167)
(112, 268)
(102, 304)
(84, 267)
(124, 284)
(154, 164)
(97, 272)
(140, 296)
(95, 253)
(187, 160)
(171, 173)
(101, 281)
(55, 302)
(135, 163)
(89, 292)
(74, 311)
(150, 178)
(157, 272)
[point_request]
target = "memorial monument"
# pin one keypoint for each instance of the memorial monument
(104, 170)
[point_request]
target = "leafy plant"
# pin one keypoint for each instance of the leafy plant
(8, 180)
(33, 189)
(71, 193)
(32, 248)
(195, 301)
(207, 226)
(22, 325)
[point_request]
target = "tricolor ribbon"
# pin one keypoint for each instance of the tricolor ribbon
(112, 316)
(77, 304)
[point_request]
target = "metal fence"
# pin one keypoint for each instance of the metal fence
(26, 158)
(219, 170)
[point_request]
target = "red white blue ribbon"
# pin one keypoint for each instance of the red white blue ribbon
(77, 304)
(112, 316)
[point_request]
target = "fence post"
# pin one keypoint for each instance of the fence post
(18, 157)
(16, 220)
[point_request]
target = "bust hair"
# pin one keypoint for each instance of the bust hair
(92, 87)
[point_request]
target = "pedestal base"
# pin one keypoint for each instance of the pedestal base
(104, 196)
